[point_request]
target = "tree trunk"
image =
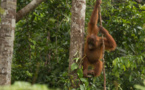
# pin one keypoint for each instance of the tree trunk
(24, 11)
(7, 28)
(76, 36)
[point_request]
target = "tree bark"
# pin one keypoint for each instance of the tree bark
(28, 8)
(76, 36)
(7, 28)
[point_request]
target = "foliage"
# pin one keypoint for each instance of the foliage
(140, 87)
(42, 45)
(126, 23)
(25, 86)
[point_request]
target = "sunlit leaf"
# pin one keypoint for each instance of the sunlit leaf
(74, 66)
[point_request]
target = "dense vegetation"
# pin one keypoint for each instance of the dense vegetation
(42, 45)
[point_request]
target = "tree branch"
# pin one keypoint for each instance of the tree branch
(28, 8)
(138, 1)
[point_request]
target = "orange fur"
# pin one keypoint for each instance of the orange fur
(93, 47)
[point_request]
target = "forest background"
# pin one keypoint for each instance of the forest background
(42, 42)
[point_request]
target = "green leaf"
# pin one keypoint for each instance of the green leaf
(80, 73)
(76, 59)
(82, 87)
(130, 78)
(139, 87)
(124, 67)
(74, 66)
(52, 20)
(83, 79)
